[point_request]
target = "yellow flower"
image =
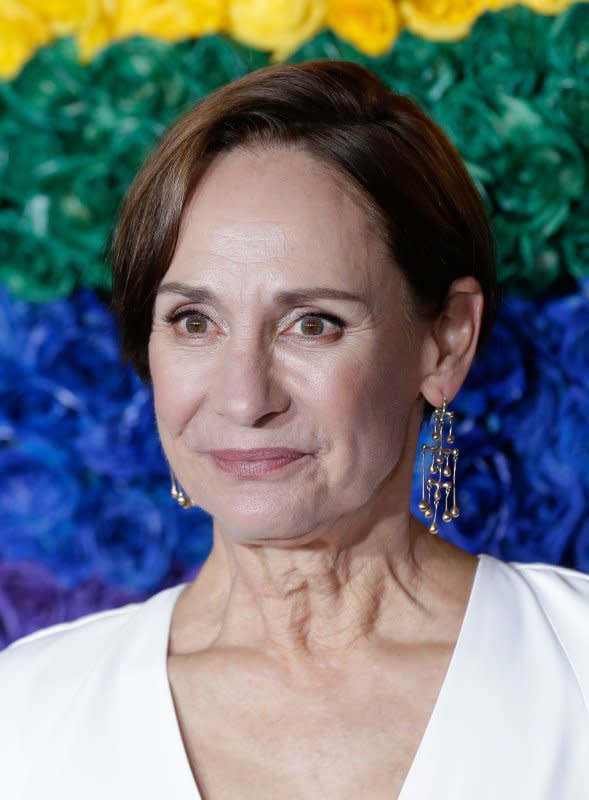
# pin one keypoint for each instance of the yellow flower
(548, 6)
(174, 19)
(277, 25)
(497, 5)
(62, 17)
(97, 32)
(371, 25)
(441, 19)
(21, 33)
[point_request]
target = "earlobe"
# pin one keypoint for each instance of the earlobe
(453, 341)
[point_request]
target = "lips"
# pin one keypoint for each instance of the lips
(258, 454)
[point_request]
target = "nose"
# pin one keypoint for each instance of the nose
(247, 388)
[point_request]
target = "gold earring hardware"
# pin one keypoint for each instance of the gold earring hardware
(178, 493)
(442, 469)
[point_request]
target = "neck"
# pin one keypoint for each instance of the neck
(314, 604)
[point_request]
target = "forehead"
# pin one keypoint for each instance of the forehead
(282, 214)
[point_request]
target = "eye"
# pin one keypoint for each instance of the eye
(195, 322)
(317, 323)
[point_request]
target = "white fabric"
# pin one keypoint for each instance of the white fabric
(86, 709)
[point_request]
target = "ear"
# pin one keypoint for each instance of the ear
(450, 344)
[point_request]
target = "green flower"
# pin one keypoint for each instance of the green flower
(475, 127)
(542, 173)
(51, 91)
(33, 265)
(505, 52)
(567, 43)
(565, 99)
(574, 240)
(423, 69)
(212, 61)
(527, 263)
(328, 45)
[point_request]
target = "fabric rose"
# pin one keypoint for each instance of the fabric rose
(548, 6)
(579, 557)
(63, 17)
(97, 31)
(371, 25)
(210, 62)
(48, 274)
(425, 70)
(542, 173)
(174, 19)
(124, 445)
(497, 378)
(47, 101)
(474, 124)
(30, 599)
(505, 53)
(560, 330)
(550, 507)
(128, 543)
(279, 26)
(21, 32)
(440, 20)
(566, 52)
(194, 531)
(565, 99)
(75, 346)
(570, 439)
(484, 491)
(574, 240)
(139, 84)
(39, 498)
(529, 263)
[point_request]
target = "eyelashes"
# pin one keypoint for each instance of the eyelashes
(174, 317)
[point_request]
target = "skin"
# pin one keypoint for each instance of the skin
(318, 577)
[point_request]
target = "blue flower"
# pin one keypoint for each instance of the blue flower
(130, 545)
(497, 378)
(39, 498)
(484, 493)
(551, 504)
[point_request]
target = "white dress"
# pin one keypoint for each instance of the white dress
(86, 710)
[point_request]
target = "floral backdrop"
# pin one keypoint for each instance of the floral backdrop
(86, 520)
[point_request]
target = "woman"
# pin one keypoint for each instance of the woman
(302, 268)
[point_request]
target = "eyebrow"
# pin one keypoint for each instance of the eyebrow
(201, 294)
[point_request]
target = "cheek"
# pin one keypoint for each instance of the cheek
(174, 388)
(369, 407)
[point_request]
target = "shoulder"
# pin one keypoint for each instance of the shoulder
(548, 605)
(66, 643)
(70, 669)
(39, 673)
(562, 593)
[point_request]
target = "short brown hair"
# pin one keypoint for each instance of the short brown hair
(415, 183)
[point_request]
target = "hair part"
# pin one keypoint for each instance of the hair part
(379, 146)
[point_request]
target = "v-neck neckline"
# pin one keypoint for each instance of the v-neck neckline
(458, 661)
(451, 678)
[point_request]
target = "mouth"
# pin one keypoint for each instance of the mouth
(257, 467)
(257, 454)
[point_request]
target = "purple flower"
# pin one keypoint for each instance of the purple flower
(30, 599)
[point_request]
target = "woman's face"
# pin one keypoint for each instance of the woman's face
(334, 378)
